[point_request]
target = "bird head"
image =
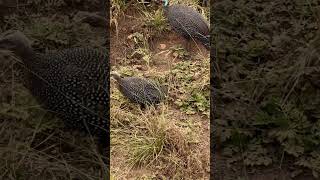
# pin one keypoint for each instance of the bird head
(115, 75)
(163, 2)
(16, 42)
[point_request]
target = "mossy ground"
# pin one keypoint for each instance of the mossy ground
(265, 80)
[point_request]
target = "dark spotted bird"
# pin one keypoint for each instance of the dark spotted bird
(188, 22)
(72, 83)
(144, 92)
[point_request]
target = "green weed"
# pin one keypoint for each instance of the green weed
(141, 48)
(156, 21)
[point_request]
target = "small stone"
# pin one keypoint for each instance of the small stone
(175, 54)
(162, 46)
(54, 151)
(130, 36)
(139, 67)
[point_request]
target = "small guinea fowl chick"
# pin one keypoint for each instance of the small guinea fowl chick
(72, 83)
(140, 90)
(188, 22)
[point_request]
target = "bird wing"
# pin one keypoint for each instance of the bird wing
(189, 19)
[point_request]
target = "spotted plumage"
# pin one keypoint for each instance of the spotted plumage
(140, 90)
(187, 22)
(72, 83)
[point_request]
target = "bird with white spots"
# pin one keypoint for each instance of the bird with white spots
(73, 83)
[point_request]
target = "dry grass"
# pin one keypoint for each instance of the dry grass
(155, 139)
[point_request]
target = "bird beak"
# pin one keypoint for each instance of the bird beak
(3, 43)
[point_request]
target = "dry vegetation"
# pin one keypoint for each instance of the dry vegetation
(33, 143)
(266, 84)
(170, 141)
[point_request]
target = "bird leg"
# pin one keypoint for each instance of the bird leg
(187, 44)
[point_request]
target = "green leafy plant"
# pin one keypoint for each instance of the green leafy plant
(156, 21)
(193, 85)
(141, 48)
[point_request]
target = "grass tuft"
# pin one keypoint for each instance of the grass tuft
(156, 21)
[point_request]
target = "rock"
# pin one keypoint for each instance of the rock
(163, 46)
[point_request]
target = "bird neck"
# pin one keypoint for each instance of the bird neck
(165, 9)
(117, 77)
(26, 54)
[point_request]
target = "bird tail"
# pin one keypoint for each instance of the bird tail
(207, 43)
(205, 40)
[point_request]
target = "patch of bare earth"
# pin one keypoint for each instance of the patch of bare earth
(162, 61)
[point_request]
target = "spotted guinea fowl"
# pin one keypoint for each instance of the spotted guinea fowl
(140, 90)
(72, 83)
(187, 22)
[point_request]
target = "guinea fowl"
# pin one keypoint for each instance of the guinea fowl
(72, 83)
(187, 22)
(140, 90)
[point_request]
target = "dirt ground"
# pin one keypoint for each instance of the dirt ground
(162, 62)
